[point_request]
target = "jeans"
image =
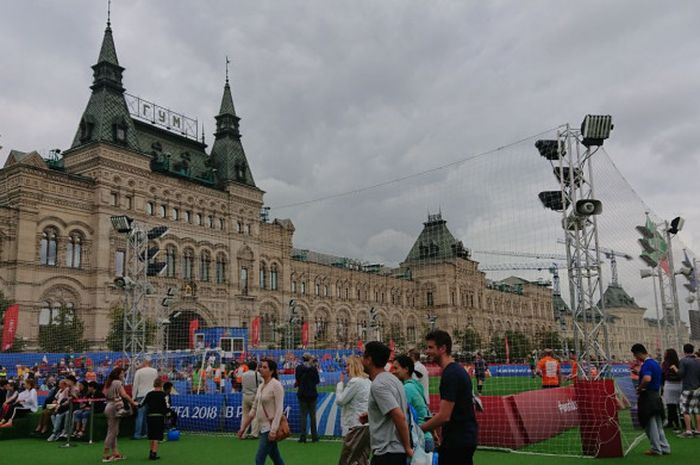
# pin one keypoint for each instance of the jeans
(140, 428)
(657, 438)
(308, 407)
(266, 448)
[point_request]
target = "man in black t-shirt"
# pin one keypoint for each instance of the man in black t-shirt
(456, 415)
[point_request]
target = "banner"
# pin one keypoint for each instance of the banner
(223, 412)
(9, 327)
(305, 334)
(255, 332)
(194, 326)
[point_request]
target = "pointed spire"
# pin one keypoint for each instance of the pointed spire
(108, 53)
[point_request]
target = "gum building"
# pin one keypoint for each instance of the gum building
(230, 264)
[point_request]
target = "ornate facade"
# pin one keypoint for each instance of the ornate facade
(58, 248)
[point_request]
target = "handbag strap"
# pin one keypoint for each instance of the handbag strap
(263, 405)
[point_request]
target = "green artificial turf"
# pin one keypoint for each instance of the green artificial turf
(198, 448)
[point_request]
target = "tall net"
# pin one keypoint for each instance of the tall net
(468, 248)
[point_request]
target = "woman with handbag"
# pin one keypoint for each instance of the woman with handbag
(116, 395)
(353, 398)
(267, 409)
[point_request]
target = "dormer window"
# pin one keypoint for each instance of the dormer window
(240, 170)
(86, 128)
(120, 133)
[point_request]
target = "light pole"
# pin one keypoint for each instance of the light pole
(140, 264)
(660, 336)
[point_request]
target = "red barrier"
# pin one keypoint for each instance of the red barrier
(600, 427)
(498, 423)
(546, 412)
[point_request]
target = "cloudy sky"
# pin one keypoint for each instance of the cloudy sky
(336, 96)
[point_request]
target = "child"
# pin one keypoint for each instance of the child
(171, 416)
(157, 409)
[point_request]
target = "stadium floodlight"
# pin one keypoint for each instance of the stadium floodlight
(550, 149)
(676, 225)
(553, 200)
(564, 173)
(124, 282)
(645, 273)
(122, 223)
(595, 129)
(156, 268)
(157, 232)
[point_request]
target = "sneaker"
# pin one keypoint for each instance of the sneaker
(686, 434)
(696, 433)
(107, 459)
(651, 453)
(52, 438)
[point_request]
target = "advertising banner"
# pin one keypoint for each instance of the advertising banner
(9, 329)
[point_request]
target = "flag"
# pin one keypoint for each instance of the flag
(194, 326)
(663, 263)
(255, 332)
(507, 349)
(9, 329)
(305, 334)
(360, 345)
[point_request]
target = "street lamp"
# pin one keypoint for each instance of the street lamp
(644, 273)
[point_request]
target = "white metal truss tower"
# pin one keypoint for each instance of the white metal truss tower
(589, 322)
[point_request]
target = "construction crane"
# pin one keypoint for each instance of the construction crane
(611, 255)
(552, 268)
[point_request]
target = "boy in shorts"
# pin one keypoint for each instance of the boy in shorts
(157, 408)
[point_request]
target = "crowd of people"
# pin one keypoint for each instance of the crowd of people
(384, 399)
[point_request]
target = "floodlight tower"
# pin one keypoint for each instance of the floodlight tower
(570, 155)
(140, 264)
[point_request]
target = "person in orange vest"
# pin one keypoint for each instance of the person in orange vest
(549, 369)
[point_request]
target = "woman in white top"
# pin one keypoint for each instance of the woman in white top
(267, 409)
(353, 398)
(26, 402)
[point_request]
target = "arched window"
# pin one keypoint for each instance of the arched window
(222, 224)
(204, 264)
(273, 277)
(162, 211)
(47, 247)
(321, 328)
(268, 326)
(150, 208)
(220, 269)
(198, 219)
(263, 273)
(244, 279)
(210, 221)
(303, 287)
(74, 248)
(187, 264)
(170, 261)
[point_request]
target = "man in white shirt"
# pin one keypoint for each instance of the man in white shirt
(249, 385)
(424, 379)
(143, 384)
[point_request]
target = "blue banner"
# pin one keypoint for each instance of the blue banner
(223, 412)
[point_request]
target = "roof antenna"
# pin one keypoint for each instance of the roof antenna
(227, 62)
(109, 12)
(202, 133)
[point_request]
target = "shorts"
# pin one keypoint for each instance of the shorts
(156, 425)
(689, 402)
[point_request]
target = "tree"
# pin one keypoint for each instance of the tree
(115, 337)
(469, 339)
(64, 333)
(550, 340)
(519, 345)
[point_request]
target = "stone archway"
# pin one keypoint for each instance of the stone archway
(178, 330)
